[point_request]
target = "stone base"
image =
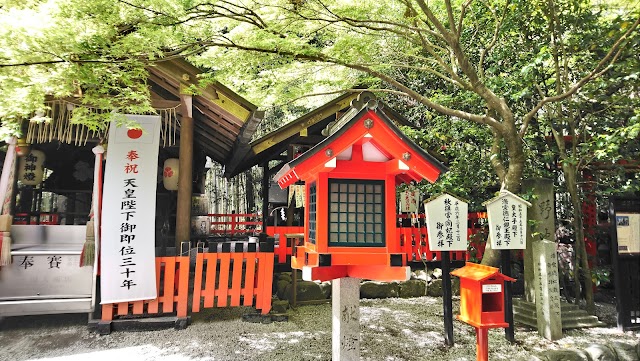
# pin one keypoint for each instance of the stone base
(260, 318)
(572, 316)
(138, 324)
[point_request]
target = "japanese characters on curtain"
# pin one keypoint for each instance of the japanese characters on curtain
(128, 212)
(297, 192)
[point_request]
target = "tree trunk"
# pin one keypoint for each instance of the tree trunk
(511, 179)
(582, 263)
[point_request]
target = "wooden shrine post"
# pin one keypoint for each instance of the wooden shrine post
(185, 181)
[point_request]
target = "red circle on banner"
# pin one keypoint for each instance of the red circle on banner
(134, 133)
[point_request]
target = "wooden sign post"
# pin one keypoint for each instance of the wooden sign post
(507, 230)
(447, 229)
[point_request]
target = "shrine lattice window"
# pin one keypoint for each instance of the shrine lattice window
(356, 213)
(312, 213)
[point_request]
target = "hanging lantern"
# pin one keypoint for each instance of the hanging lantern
(170, 174)
(22, 147)
(31, 168)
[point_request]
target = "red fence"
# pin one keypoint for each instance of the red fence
(172, 282)
(284, 246)
(413, 239)
(246, 278)
(234, 224)
(229, 278)
(233, 279)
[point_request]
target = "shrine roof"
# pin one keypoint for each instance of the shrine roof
(223, 120)
(478, 272)
(305, 131)
(415, 161)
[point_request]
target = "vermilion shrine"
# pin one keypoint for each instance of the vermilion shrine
(350, 181)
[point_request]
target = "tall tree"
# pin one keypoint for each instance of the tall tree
(288, 48)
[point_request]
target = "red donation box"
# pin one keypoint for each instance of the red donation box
(350, 181)
(481, 295)
(482, 302)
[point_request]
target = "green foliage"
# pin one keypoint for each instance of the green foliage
(601, 276)
(468, 84)
(469, 175)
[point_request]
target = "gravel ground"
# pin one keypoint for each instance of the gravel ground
(392, 329)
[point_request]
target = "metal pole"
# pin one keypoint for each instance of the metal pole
(446, 299)
(508, 302)
(265, 195)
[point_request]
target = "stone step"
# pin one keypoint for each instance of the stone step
(572, 316)
(564, 306)
(566, 313)
(583, 321)
(526, 320)
(575, 322)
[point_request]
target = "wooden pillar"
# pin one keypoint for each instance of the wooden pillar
(185, 181)
(265, 195)
(291, 207)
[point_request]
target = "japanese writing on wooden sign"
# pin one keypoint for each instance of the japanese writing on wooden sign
(128, 221)
(447, 223)
(507, 221)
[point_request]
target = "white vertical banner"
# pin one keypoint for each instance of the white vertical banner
(127, 254)
(507, 221)
(409, 201)
(446, 223)
(6, 180)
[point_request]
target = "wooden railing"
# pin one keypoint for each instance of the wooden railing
(233, 279)
(172, 282)
(246, 278)
(220, 280)
(284, 246)
(413, 239)
(234, 224)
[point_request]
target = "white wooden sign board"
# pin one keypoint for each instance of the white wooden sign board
(507, 221)
(447, 223)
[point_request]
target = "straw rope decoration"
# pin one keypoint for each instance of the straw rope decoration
(59, 127)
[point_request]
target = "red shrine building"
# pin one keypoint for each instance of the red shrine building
(350, 180)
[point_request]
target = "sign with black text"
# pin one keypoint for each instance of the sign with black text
(446, 223)
(507, 221)
(128, 271)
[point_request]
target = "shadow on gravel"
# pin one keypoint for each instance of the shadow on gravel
(43, 321)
